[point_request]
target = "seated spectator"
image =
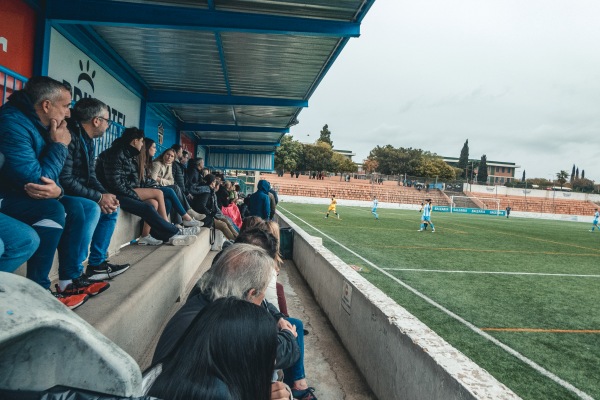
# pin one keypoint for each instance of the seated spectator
(179, 166)
(205, 202)
(89, 120)
(34, 140)
(260, 203)
(161, 177)
(18, 241)
(194, 177)
(227, 352)
(231, 210)
(273, 200)
(117, 170)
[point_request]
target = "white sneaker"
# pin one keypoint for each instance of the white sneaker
(192, 222)
(433, 230)
(182, 240)
(196, 215)
(191, 231)
(149, 241)
(420, 230)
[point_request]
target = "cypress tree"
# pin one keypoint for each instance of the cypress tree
(573, 173)
(576, 174)
(482, 174)
(583, 174)
(523, 178)
(463, 160)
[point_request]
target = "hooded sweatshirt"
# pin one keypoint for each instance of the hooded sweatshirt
(260, 204)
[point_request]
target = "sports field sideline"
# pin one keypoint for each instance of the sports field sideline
(520, 297)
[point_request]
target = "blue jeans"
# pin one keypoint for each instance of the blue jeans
(171, 200)
(100, 239)
(296, 371)
(81, 220)
(47, 218)
(18, 242)
(159, 228)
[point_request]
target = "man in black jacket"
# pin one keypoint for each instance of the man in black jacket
(90, 120)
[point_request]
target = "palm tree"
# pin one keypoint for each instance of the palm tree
(561, 177)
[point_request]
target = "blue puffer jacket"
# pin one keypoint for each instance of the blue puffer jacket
(260, 204)
(26, 145)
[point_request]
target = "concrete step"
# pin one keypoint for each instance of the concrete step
(135, 307)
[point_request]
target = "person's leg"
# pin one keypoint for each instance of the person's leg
(101, 239)
(222, 226)
(155, 194)
(159, 228)
(19, 241)
(47, 218)
(294, 376)
(81, 220)
(281, 301)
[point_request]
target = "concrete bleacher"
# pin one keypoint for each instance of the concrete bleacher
(356, 189)
(539, 205)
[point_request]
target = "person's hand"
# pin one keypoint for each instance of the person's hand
(190, 197)
(109, 203)
(285, 324)
(47, 190)
(279, 391)
(59, 132)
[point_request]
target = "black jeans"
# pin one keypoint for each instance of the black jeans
(159, 228)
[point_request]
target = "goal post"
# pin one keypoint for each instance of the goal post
(475, 205)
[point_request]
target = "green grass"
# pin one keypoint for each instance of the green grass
(485, 244)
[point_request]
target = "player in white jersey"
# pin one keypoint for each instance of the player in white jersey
(374, 209)
(426, 217)
(595, 221)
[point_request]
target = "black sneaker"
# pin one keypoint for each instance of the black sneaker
(105, 270)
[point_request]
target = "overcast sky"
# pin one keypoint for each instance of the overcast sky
(519, 79)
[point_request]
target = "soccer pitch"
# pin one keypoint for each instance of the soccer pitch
(520, 297)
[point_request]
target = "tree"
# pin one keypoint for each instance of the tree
(482, 174)
(370, 165)
(431, 167)
(288, 155)
(561, 178)
(583, 185)
(342, 164)
(583, 174)
(523, 178)
(317, 157)
(463, 160)
(325, 136)
(576, 174)
(573, 173)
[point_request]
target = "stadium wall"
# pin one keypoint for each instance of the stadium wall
(400, 357)
(546, 194)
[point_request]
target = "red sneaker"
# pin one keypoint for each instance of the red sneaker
(73, 301)
(83, 285)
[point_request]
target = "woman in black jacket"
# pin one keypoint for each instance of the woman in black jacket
(205, 202)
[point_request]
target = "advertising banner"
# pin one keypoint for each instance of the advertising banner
(464, 210)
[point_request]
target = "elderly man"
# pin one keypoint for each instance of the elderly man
(242, 271)
(89, 120)
(34, 140)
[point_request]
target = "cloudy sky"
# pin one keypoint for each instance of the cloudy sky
(519, 79)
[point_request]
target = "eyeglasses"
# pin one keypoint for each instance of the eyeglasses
(108, 121)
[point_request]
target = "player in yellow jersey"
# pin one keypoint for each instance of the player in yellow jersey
(332, 207)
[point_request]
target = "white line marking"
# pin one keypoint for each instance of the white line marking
(488, 272)
(475, 329)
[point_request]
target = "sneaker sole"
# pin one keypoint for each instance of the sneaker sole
(148, 244)
(184, 241)
(104, 275)
(99, 291)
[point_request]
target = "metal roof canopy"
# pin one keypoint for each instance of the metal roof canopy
(234, 73)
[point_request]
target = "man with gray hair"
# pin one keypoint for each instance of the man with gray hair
(242, 271)
(89, 120)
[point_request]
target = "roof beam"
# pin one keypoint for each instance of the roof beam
(139, 15)
(220, 142)
(229, 128)
(175, 97)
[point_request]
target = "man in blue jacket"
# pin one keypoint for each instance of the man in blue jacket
(260, 204)
(34, 140)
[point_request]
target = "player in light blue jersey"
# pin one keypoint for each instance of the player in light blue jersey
(374, 209)
(595, 221)
(426, 217)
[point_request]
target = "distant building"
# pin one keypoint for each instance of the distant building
(499, 172)
(346, 153)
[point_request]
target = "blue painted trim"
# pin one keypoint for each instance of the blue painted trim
(104, 56)
(41, 50)
(12, 74)
(230, 128)
(175, 97)
(98, 12)
(239, 151)
(143, 111)
(220, 142)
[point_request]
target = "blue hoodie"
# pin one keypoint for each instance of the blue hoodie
(260, 204)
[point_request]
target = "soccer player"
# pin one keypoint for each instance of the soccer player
(508, 210)
(595, 221)
(374, 209)
(426, 217)
(332, 207)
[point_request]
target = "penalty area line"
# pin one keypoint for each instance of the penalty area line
(539, 330)
(491, 272)
(475, 329)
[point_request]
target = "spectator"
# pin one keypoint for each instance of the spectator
(90, 120)
(194, 177)
(260, 204)
(179, 168)
(273, 201)
(34, 140)
(118, 171)
(158, 174)
(206, 202)
(229, 208)
(18, 241)
(228, 352)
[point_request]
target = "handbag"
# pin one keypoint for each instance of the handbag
(216, 239)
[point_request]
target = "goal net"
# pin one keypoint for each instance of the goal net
(482, 203)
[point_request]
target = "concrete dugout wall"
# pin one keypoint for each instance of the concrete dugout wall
(400, 357)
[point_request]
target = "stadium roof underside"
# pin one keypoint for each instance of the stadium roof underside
(234, 73)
